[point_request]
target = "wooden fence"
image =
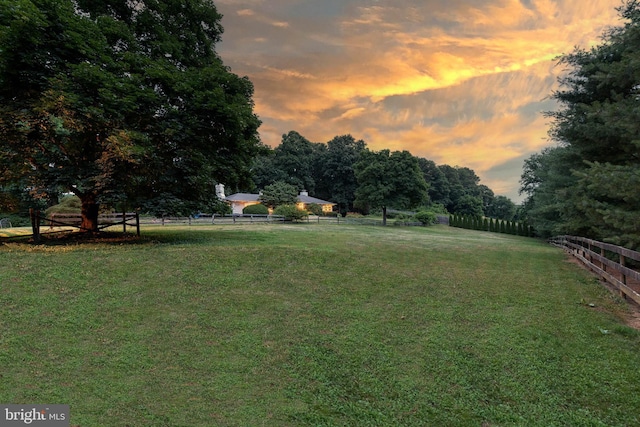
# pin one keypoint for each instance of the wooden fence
(256, 218)
(607, 261)
(75, 221)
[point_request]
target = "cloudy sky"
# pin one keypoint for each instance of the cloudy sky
(459, 82)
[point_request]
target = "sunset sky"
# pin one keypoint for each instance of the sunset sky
(459, 82)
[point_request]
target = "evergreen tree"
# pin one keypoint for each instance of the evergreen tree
(589, 184)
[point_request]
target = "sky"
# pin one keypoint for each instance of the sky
(459, 82)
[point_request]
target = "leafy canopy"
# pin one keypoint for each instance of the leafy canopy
(279, 193)
(116, 100)
(388, 179)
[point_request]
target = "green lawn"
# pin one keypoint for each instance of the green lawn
(315, 325)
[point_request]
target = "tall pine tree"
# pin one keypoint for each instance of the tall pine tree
(589, 184)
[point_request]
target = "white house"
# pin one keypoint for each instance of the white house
(239, 201)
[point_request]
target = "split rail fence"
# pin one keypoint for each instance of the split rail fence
(612, 263)
(55, 221)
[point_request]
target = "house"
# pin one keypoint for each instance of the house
(304, 200)
(239, 201)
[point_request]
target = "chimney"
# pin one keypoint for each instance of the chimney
(304, 193)
(220, 191)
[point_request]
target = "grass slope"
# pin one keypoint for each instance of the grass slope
(314, 325)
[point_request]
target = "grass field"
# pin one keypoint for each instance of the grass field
(315, 325)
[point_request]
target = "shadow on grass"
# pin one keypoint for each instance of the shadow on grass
(66, 238)
(148, 237)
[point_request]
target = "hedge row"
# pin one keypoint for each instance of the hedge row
(490, 224)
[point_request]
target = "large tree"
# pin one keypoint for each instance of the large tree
(337, 179)
(598, 124)
(439, 187)
(388, 179)
(279, 193)
(296, 156)
(119, 100)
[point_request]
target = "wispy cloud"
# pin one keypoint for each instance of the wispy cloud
(460, 82)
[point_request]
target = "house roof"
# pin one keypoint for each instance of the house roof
(243, 197)
(308, 199)
(248, 197)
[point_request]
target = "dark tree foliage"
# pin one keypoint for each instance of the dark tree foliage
(589, 184)
(501, 207)
(327, 171)
(468, 205)
(438, 184)
(119, 100)
(388, 179)
(337, 179)
(462, 184)
(295, 156)
(279, 193)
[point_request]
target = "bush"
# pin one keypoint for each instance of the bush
(314, 209)
(290, 212)
(395, 214)
(16, 220)
(426, 217)
(258, 209)
(437, 208)
(219, 207)
(68, 205)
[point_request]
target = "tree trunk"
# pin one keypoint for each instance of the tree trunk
(89, 212)
(384, 215)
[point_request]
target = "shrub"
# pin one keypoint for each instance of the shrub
(219, 207)
(68, 205)
(257, 209)
(438, 208)
(16, 220)
(290, 212)
(426, 217)
(396, 214)
(314, 209)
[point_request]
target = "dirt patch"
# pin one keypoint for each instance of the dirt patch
(634, 319)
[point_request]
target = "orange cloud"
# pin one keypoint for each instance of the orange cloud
(459, 82)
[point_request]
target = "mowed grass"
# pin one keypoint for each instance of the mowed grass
(315, 325)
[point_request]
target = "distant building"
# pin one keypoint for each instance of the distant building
(239, 201)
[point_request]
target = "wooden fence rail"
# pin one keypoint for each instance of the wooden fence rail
(75, 220)
(606, 260)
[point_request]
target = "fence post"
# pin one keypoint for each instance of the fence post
(137, 224)
(35, 224)
(124, 221)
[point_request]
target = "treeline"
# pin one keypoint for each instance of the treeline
(329, 171)
(589, 183)
(470, 222)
